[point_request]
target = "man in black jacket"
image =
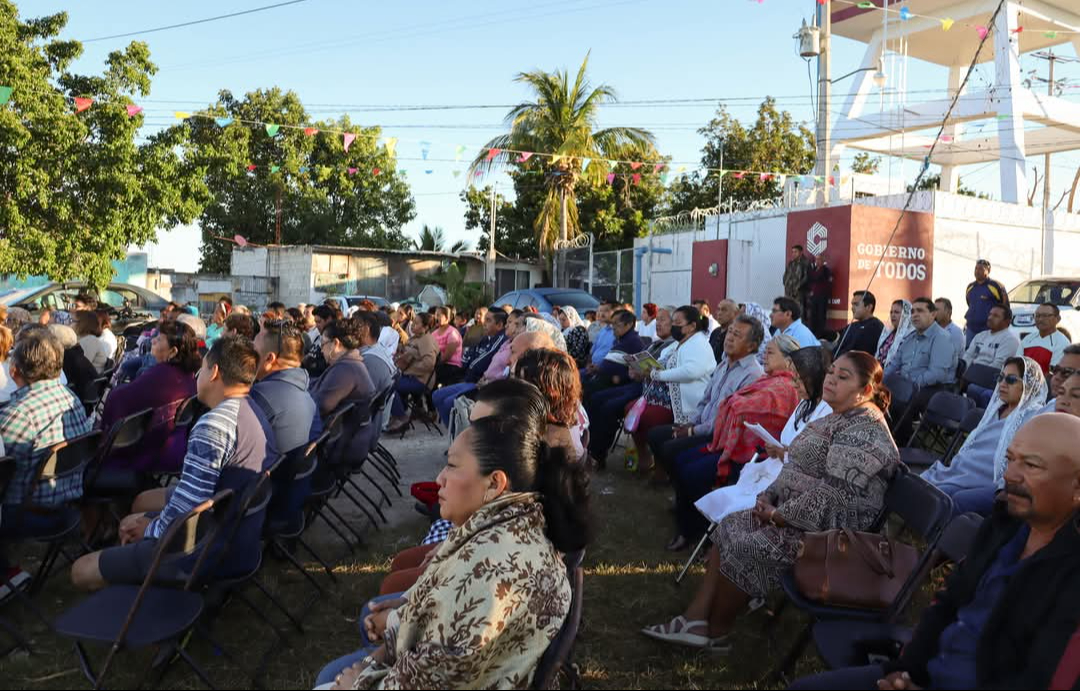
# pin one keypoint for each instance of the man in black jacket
(863, 333)
(1008, 611)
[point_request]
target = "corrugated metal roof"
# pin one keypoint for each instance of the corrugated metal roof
(331, 249)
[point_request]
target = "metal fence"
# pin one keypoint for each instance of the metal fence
(607, 275)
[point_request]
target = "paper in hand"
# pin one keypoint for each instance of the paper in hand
(763, 433)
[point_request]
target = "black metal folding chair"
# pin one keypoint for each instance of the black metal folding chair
(558, 658)
(925, 511)
(971, 421)
(95, 394)
(150, 615)
(326, 476)
(937, 431)
(7, 472)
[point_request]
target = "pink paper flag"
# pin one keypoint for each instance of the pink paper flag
(492, 153)
(610, 178)
(658, 167)
(982, 31)
(764, 177)
(478, 173)
(133, 110)
(637, 178)
(946, 138)
(376, 171)
(352, 171)
(739, 176)
(349, 137)
(635, 165)
(524, 157)
(82, 104)
(1018, 30)
(311, 131)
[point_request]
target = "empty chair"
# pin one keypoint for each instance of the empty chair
(937, 431)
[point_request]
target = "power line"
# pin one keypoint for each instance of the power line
(193, 23)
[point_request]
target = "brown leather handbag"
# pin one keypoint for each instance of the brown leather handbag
(843, 568)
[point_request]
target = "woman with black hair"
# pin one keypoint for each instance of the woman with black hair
(346, 380)
(516, 504)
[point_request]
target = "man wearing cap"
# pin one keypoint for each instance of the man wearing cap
(983, 294)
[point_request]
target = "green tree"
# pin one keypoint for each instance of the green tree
(775, 143)
(327, 196)
(434, 240)
(865, 163)
(77, 189)
(933, 182)
(561, 120)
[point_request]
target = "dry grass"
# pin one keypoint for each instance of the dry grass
(629, 584)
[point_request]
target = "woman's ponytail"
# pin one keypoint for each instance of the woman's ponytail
(564, 491)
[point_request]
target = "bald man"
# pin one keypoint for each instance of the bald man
(1008, 611)
(530, 340)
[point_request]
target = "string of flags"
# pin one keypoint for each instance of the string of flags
(947, 23)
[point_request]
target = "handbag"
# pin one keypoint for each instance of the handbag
(633, 418)
(843, 568)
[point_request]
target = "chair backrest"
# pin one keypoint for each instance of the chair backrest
(948, 409)
(7, 472)
(189, 412)
(64, 460)
(971, 420)
(981, 375)
(901, 388)
(955, 542)
(558, 651)
(129, 431)
(308, 461)
(337, 433)
(924, 509)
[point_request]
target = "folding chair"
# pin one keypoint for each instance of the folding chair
(325, 478)
(96, 393)
(843, 643)
(980, 375)
(558, 656)
(971, 420)
(903, 394)
(62, 463)
(925, 511)
(133, 617)
(7, 472)
(939, 427)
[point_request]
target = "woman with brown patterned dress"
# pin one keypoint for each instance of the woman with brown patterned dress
(836, 477)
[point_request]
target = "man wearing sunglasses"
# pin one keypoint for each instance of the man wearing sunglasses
(982, 295)
(1047, 345)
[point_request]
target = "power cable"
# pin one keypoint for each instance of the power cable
(193, 23)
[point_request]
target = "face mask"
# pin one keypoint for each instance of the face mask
(677, 332)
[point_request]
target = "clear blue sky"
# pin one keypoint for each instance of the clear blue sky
(346, 55)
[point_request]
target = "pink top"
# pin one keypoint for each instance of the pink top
(452, 336)
(499, 363)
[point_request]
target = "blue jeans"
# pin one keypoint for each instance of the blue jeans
(606, 410)
(854, 678)
(330, 672)
(444, 398)
(406, 386)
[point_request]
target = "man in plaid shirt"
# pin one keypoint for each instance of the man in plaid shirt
(42, 412)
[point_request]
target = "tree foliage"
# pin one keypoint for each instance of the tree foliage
(77, 189)
(866, 163)
(321, 201)
(434, 240)
(561, 119)
(773, 143)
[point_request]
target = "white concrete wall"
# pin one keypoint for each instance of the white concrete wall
(292, 266)
(666, 279)
(248, 261)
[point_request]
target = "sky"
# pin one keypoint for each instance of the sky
(347, 56)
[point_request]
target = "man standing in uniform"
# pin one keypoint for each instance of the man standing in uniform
(983, 294)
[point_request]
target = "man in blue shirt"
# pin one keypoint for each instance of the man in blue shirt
(927, 358)
(787, 318)
(1008, 611)
(627, 341)
(982, 295)
(943, 317)
(605, 339)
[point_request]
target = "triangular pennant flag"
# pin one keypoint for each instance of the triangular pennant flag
(524, 157)
(867, 5)
(459, 152)
(682, 169)
(223, 122)
(478, 173)
(425, 149)
(391, 145)
(1018, 30)
(349, 137)
(585, 163)
(303, 169)
(764, 177)
(82, 104)
(1047, 34)
(251, 167)
(982, 31)
(274, 169)
(272, 129)
(947, 24)
(905, 13)
(181, 115)
(658, 167)
(457, 173)
(610, 178)
(133, 110)
(428, 171)
(556, 158)
(311, 131)
(376, 171)
(492, 153)
(612, 164)
(781, 179)
(946, 138)
(820, 178)
(352, 171)
(635, 165)
(663, 178)
(738, 176)
(5, 94)
(637, 178)
(832, 180)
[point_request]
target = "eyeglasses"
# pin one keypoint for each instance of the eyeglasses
(1064, 372)
(1045, 315)
(1010, 379)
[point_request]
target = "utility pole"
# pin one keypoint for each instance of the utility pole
(277, 218)
(1047, 228)
(719, 185)
(491, 246)
(824, 134)
(562, 236)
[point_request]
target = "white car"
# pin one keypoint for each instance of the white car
(1063, 292)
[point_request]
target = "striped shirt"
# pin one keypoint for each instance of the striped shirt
(232, 435)
(38, 416)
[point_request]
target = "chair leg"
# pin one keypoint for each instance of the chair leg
(20, 640)
(694, 555)
(199, 672)
(784, 667)
(389, 479)
(317, 513)
(317, 556)
(357, 503)
(374, 505)
(262, 588)
(359, 538)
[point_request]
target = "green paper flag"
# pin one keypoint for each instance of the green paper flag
(867, 5)
(1048, 34)
(274, 169)
(5, 94)
(272, 130)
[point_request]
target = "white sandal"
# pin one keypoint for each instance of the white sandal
(677, 632)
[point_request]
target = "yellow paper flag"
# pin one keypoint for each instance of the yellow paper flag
(556, 158)
(391, 145)
(181, 115)
(947, 24)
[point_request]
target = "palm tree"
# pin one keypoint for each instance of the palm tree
(434, 240)
(562, 121)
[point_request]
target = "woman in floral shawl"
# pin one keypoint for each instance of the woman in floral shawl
(496, 593)
(769, 402)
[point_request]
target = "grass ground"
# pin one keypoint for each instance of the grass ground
(629, 583)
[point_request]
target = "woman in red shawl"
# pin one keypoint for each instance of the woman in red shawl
(769, 402)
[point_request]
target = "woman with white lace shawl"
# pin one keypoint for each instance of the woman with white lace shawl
(891, 338)
(977, 471)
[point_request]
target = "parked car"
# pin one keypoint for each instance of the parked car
(344, 302)
(1063, 292)
(128, 305)
(543, 299)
